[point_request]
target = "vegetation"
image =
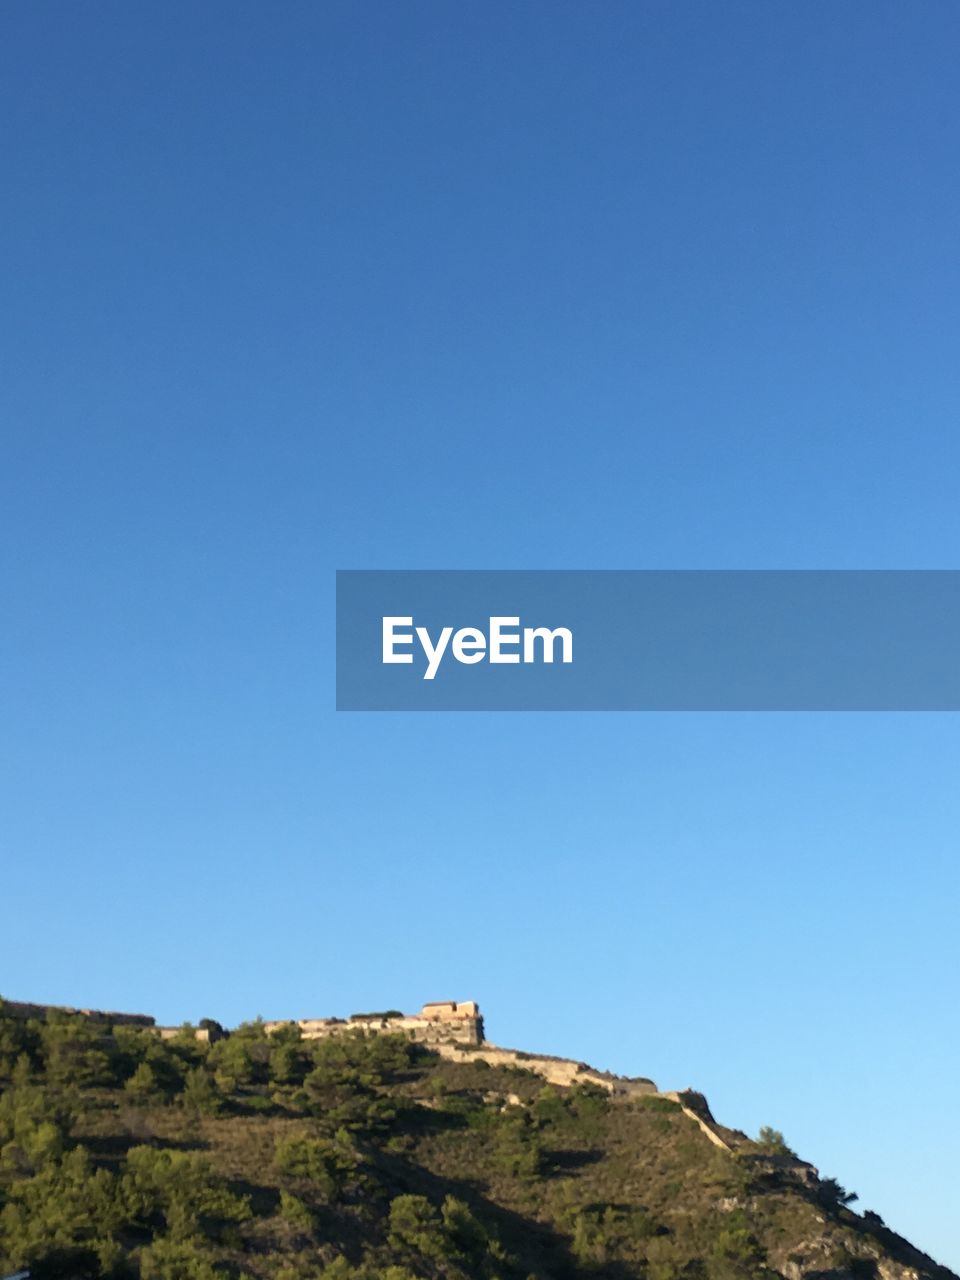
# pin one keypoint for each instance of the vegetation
(368, 1157)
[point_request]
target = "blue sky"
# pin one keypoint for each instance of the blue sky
(296, 288)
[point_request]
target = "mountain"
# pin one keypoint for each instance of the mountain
(295, 1151)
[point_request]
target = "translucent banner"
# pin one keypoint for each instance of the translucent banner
(648, 640)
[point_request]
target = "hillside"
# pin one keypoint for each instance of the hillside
(374, 1157)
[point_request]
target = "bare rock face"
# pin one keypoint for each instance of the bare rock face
(855, 1252)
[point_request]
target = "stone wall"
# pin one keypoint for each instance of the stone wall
(450, 1010)
(22, 1009)
(206, 1035)
(454, 1028)
(442, 1022)
(559, 1071)
(694, 1106)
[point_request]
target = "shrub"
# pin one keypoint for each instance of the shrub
(295, 1211)
(652, 1102)
(589, 1100)
(665, 1259)
(173, 1259)
(599, 1230)
(736, 1253)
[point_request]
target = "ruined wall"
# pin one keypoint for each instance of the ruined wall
(450, 1010)
(439, 1023)
(22, 1009)
(456, 1028)
(694, 1106)
(559, 1071)
(206, 1035)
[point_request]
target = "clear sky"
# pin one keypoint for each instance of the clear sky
(291, 288)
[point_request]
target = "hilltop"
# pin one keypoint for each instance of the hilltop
(386, 1147)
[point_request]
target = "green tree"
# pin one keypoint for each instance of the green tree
(34, 1125)
(288, 1063)
(179, 1189)
(241, 1059)
(76, 1051)
(772, 1140)
(65, 1205)
(19, 1038)
(832, 1195)
(329, 1165)
(416, 1225)
(200, 1093)
(519, 1151)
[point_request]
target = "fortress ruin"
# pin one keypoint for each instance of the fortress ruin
(453, 1029)
(438, 1022)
